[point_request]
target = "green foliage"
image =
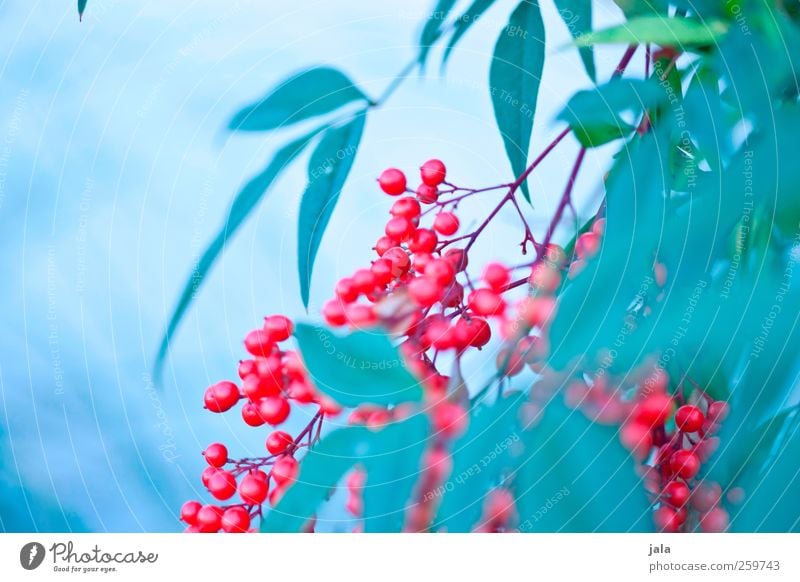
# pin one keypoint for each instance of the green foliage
(514, 79)
(576, 477)
(391, 458)
(361, 367)
(464, 23)
(679, 32)
(328, 169)
(245, 202)
(577, 15)
(433, 28)
(308, 94)
(596, 116)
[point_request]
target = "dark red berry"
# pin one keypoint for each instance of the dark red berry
(689, 418)
(685, 464)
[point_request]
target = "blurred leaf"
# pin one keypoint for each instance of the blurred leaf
(577, 15)
(81, 8)
(595, 115)
(307, 94)
(361, 367)
(679, 32)
(432, 30)
(244, 203)
(328, 169)
(577, 477)
(633, 8)
(393, 468)
(771, 494)
(480, 459)
(705, 118)
(326, 463)
(514, 78)
(464, 23)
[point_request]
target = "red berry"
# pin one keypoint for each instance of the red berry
(382, 269)
(278, 441)
(301, 391)
(361, 315)
(441, 271)
(406, 207)
(400, 261)
(676, 493)
(474, 331)
(449, 419)
(685, 464)
(421, 261)
(486, 302)
(279, 327)
(718, 411)
(458, 258)
(423, 240)
(253, 490)
(496, 276)
(285, 470)
(715, 521)
(427, 194)
(189, 512)
(667, 519)
(259, 343)
(346, 290)
(235, 520)
(424, 291)
(246, 367)
(221, 396)
(392, 181)
(587, 245)
(209, 518)
(689, 418)
(206, 475)
(273, 409)
(653, 410)
(384, 244)
(705, 496)
(499, 508)
(333, 313)
(537, 311)
(222, 485)
(636, 437)
(453, 295)
(399, 228)
(364, 281)
(216, 454)
(250, 415)
(433, 172)
(446, 223)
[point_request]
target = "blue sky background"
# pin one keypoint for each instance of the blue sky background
(115, 171)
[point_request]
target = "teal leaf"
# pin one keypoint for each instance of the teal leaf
(432, 30)
(577, 15)
(577, 477)
(81, 8)
(310, 93)
(328, 169)
(323, 467)
(660, 30)
(361, 367)
(464, 23)
(244, 203)
(596, 115)
(493, 433)
(514, 79)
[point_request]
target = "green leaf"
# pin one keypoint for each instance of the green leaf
(577, 15)
(679, 32)
(596, 115)
(361, 367)
(393, 468)
(577, 477)
(514, 78)
(771, 494)
(244, 203)
(307, 94)
(432, 30)
(464, 23)
(81, 8)
(480, 460)
(323, 467)
(328, 169)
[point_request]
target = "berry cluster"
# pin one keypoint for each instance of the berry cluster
(671, 438)
(271, 382)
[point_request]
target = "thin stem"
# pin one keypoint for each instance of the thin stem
(395, 84)
(524, 176)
